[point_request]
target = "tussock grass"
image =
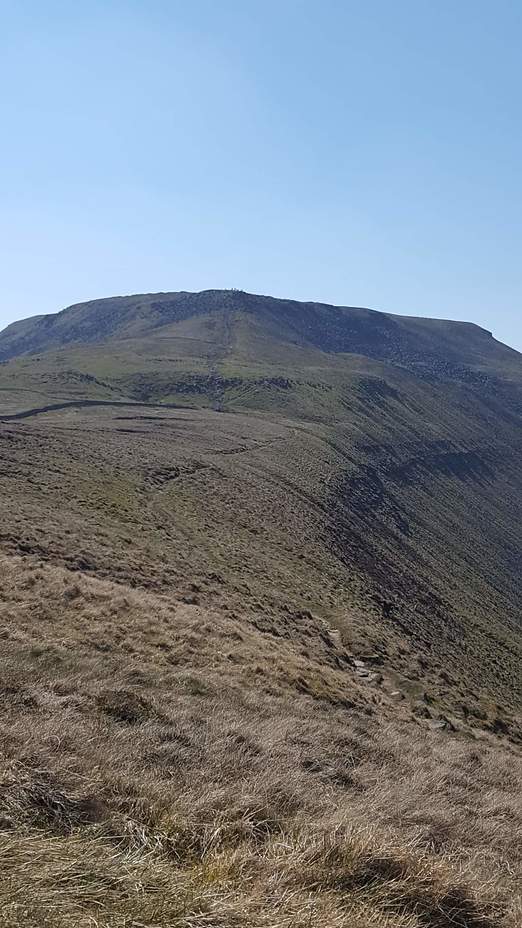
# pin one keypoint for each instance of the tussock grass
(149, 778)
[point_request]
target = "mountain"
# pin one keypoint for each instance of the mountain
(382, 336)
(261, 597)
(409, 429)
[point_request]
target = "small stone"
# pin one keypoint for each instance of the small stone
(448, 723)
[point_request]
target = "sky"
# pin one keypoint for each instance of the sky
(362, 153)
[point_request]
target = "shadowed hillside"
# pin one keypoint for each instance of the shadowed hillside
(262, 566)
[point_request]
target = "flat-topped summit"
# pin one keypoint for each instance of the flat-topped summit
(333, 329)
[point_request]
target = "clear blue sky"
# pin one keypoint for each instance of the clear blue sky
(365, 153)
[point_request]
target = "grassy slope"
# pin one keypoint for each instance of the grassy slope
(164, 764)
(193, 591)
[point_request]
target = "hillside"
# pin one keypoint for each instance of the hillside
(261, 614)
(383, 336)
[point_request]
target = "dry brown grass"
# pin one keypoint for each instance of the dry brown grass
(165, 764)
